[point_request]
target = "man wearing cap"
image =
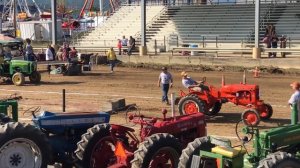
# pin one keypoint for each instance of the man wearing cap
(165, 78)
(188, 82)
(296, 95)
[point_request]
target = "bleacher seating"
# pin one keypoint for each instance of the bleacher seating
(226, 25)
(126, 21)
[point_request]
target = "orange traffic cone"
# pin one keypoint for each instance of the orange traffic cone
(256, 73)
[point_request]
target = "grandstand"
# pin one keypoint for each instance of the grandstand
(213, 25)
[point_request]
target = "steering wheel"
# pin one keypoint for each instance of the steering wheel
(135, 109)
(248, 136)
(32, 110)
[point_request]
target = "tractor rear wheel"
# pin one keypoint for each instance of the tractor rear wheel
(279, 160)
(191, 104)
(96, 148)
(35, 77)
(250, 117)
(158, 150)
(267, 112)
(18, 79)
(23, 145)
(215, 109)
(193, 148)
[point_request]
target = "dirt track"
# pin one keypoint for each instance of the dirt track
(90, 92)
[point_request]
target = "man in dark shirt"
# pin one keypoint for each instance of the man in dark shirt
(131, 45)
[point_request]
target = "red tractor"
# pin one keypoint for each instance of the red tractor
(159, 143)
(210, 99)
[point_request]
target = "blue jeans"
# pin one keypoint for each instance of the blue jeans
(112, 64)
(165, 90)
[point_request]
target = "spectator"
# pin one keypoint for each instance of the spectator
(21, 52)
(73, 54)
(296, 95)
(119, 46)
(124, 41)
(274, 44)
(189, 83)
(283, 41)
(166, 79)
(53, 52)
(131, 45)
(29, 55)
(111, 56)
(49, 57)
(267, 42)
(65, 52)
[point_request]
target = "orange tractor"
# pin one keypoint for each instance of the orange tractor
(210, 99)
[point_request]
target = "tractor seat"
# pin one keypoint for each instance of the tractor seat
(228, 152)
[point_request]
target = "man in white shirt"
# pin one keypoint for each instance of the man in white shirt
(166, 80)
(49, 57)
(189, 83)
(296, 95)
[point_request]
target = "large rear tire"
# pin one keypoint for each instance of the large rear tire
(96, 148)
(23, 145)
(35, 77)
(158, 150)
(279, 160)
(191, 104)
(18, 79)
(215, 109)
(193, 148)
(267, 112)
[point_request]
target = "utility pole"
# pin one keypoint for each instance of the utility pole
(15, 17)
(54, 23)
(143, 47)
(256, 50)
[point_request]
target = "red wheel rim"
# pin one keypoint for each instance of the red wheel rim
(250, 118)
(164, 158)
(191, 108)
(102, 154)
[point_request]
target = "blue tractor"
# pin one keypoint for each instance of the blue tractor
(51, 139)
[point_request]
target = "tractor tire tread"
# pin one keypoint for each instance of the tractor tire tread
(195, 98)
(143, 155)
(12, 130)
(192, 149)
(82, 151)
(274, 159)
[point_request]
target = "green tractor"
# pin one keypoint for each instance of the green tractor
(17, 70)
(274, 148)
(9, 109)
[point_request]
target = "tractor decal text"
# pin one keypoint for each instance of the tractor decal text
(74, 121)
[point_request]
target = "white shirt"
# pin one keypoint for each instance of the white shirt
(295, 97)
(165, 78)
(49, 55)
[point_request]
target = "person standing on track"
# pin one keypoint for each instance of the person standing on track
(166, 80)
(296, 95)
(111, 56)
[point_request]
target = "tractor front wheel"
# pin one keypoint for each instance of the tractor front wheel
(279, 160)
(96, 148)
(18, 79)
(250, 117)
(23, 145)
(266, 112)
(193, 148)
(158, 150)
(35, 77)
(191, 104)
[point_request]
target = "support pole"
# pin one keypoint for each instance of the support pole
(101, 6)
(143, 48)
(173, 104)
(54, 23)
(15, 18)
(256, 50)
(64, 100)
